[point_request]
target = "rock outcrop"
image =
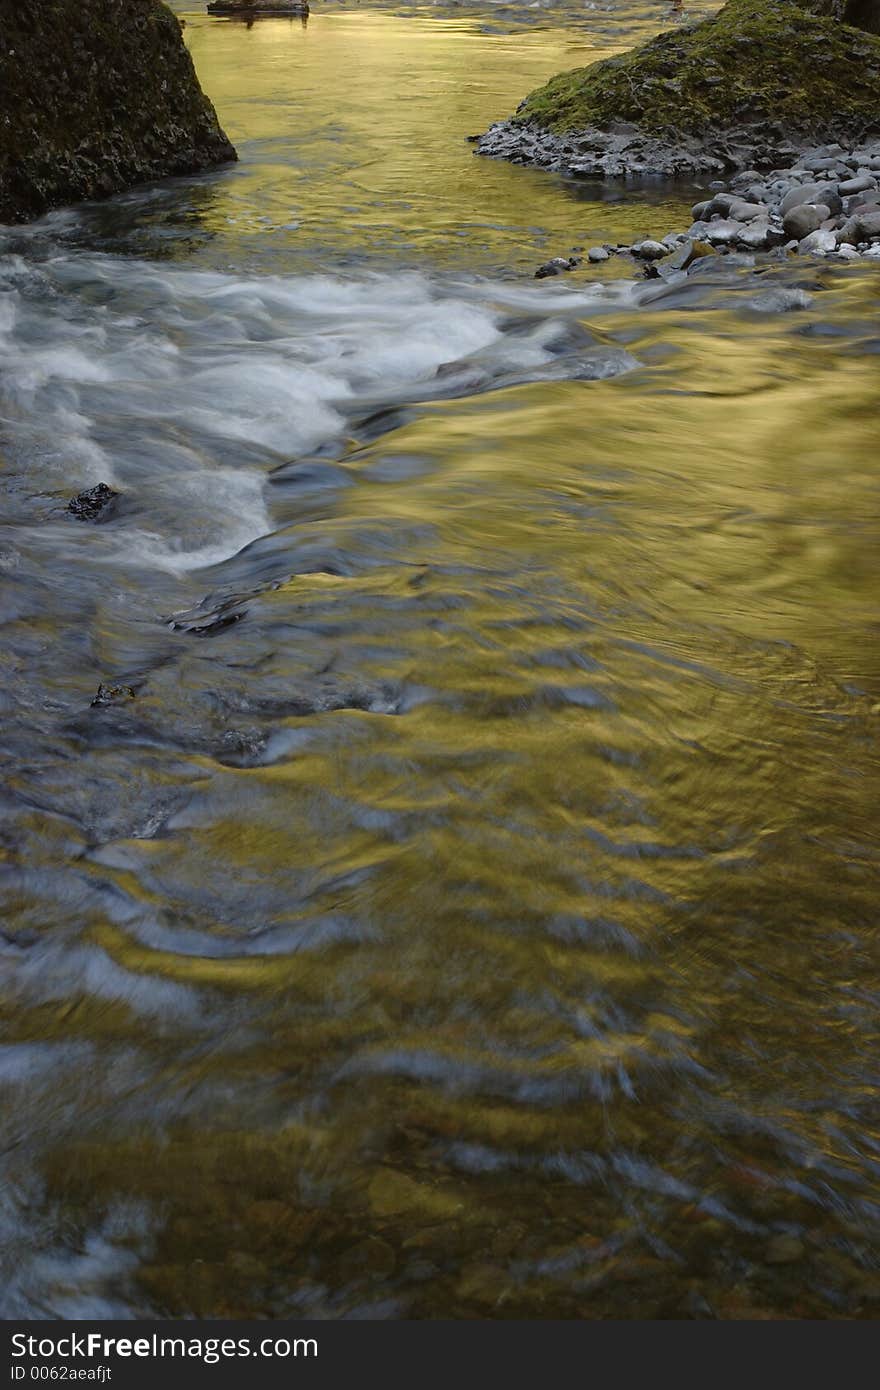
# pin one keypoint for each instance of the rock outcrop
(755, 84)
(96, 95)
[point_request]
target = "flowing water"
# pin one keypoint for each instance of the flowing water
(467, 905)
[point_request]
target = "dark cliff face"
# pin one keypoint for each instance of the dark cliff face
(96, 95)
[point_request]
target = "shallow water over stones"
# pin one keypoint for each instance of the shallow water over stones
(465, 905)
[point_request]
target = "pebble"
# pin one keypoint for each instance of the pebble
(825, 204)
(650, 250)
(556, 266)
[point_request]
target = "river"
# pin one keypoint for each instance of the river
(467, 905)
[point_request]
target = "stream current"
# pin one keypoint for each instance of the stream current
(467, 904)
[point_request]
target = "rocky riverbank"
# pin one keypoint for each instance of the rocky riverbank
(751, 88)
(827, 204)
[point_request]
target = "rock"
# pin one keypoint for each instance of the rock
(799, 221)
(556, 266)
(650, 250)
(112, 695)
(806, 193)
(755, 236)
(863, 227)
(848, 253)
(818, 243)
(745, 212)
(701, 210)
(783, 1250)
(95, 504)
(597, 254)
(863, 202)
(825, 166)
(781, 301)
(721, 204)
(207, 619)
(723, 233)
(690, 252)
(95, 96)
(857, 185)
(741, 181)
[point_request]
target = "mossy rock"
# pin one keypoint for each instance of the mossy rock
(95, 96)
(772, 65)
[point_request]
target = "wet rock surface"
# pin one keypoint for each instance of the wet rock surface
(557, 266)
(95, 504)
(94, 98)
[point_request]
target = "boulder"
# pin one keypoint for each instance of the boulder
(95, 96)
(799, 221)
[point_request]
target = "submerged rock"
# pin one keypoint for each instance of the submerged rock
(95, 504)
(96, 95)
(112, 695)
(556, 266)
(754, 84)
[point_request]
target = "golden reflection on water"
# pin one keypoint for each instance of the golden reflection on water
(613, 879)
(572, 1007)
(355, 129)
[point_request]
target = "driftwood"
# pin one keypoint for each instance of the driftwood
(253, 9)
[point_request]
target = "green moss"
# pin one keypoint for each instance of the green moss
(755, 62)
